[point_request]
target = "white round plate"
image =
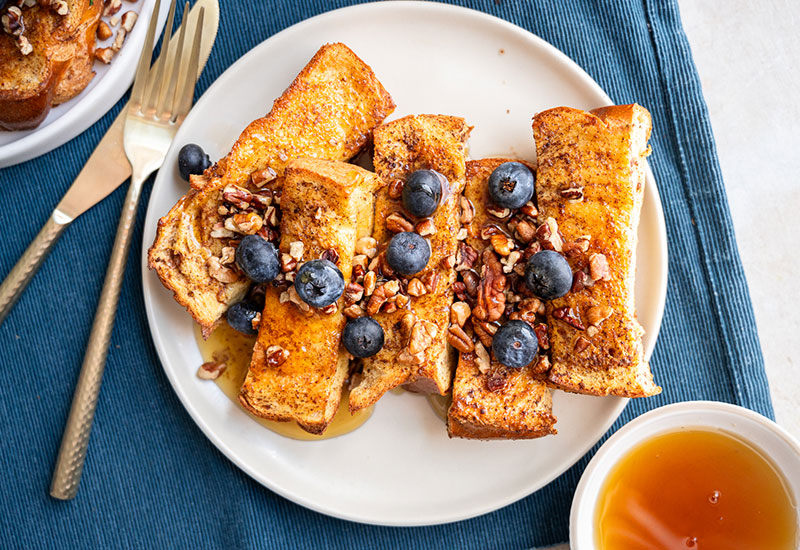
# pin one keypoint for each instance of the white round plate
(432, 58)
(73, 117)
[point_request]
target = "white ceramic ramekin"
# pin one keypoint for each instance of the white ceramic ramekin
(775, 442)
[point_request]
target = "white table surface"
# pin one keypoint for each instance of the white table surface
(748, 57)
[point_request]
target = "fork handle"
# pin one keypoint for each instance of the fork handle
(75, 441)
(26, 267)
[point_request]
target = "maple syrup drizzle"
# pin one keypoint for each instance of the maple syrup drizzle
(237, 348)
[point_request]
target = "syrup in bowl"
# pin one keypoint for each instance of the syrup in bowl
(234, 348)
(695, 489)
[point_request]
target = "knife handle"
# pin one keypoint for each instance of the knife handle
(75, 441)
(26, 267)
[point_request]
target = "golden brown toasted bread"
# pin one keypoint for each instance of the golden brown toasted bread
(590, 183)
(326, 206)
(57, 67)
(491, 401)
(328, 112)
(402, 146)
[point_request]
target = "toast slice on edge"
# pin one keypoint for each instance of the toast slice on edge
(402, 146)
(491, 401)
(590, 182)
(298, 366)
(328, 112)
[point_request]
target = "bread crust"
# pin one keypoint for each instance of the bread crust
(603, 153)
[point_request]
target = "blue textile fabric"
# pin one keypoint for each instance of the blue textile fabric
(152, 480)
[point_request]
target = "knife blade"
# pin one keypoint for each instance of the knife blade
(106, 169)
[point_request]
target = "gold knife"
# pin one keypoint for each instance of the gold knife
(106, 169)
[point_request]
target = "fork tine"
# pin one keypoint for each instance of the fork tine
(185, 92)
(153, 83)
(143, 68)
(176, 67)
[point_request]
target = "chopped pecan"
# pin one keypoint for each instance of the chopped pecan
(497, 212)
(460, 290)
(353, 292)
(496, 381)
(462, 234)
(219, 272)
(237, 196)
(598, 267)
(397, 223)
(578, 281)
(248, 223)
(116, 45)
(466, 257)
(581, 344)
(416, 288)
(367, 246)
(459, 339)
(370, 281)
(276, 356)
(482, 360)
(548, 235)
(378, 298)
(425, 227)
(296, 249)
(287, 263)
(529, 210)
(401, 300)
(573, 194)
(448, 262)
(597, 314)
(331, 255)
(482, 333)
(542, 365)
(491, 299)
(568, 315)
(526, 311)
(104, 32)
(592, 331)
(228, 255)
(262, 177)
(571, 250)
(467, 210)
(330, 309)
(525, 232)
(459, 313)
(422, 335)
(396, 189)
(471, 281)
(532, 249)
(541, 334)
(502, 244)
(510, 261)
(583, 242)
(101, 54)
(359, 260)
(353, 311)
(406, 323)
(430, 280)
(211, 370)
(271, 216)
(490, 229)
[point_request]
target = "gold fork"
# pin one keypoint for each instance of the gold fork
(161, 98)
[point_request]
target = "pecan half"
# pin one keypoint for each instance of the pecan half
(471, 281)
(491, 299)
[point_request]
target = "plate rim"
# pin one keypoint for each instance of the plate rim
(659, 296)
(83, 111)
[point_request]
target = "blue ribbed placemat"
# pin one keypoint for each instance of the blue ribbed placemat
(152, 480)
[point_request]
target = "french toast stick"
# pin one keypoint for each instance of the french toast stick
(590, 182)
(298, 366)
(328, 112)
(490, 401)
(402, 146)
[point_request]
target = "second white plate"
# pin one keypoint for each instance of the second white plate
(400, 468)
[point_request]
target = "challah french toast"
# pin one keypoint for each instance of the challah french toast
(490, 400)
(413, 310)
(298, 366)
(328, 112)
(590, 184)
(46, 57)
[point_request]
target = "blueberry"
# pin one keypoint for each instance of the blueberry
(511, 185)
(319, 283)
(408, 253)
(257, 257)
(363, 337)
(422, 192)
(240, 317)
(515, 344)
(548, 275)
(192, 160)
